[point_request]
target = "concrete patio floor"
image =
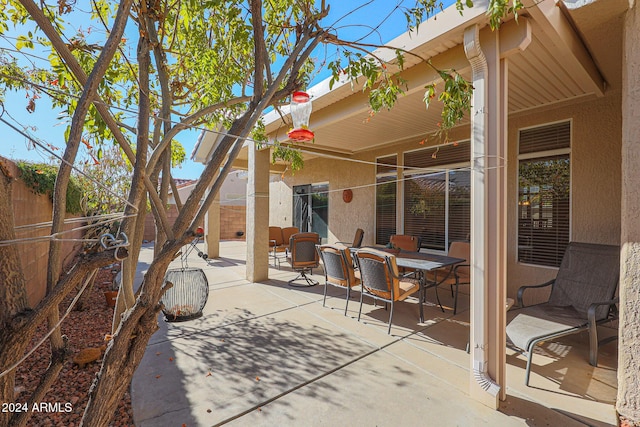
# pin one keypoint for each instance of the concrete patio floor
(268, 354)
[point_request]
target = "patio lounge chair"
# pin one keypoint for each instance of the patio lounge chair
(381, 281)
(582, 296)
(357, 239)
(303, 257)
(338, 270)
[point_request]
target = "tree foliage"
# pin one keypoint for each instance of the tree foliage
(41, 178)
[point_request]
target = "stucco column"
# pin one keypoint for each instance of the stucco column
(212, 229)
(258, 215)
(488, 216)
(628, 402)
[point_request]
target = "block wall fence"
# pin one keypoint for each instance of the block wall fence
(32, 213)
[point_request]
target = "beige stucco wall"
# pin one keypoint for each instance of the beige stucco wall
(344, 218)
(628, 401)
(595, 163)
(280, 202)
(595, 178)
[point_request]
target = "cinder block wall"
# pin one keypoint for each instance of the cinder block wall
(32, 212)
(232, 220)
(150, 225)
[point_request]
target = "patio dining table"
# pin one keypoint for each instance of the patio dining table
(423, 262)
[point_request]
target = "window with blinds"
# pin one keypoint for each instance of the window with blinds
(386, 190)
(544, 190)
(437, 202)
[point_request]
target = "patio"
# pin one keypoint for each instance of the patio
(270, 354)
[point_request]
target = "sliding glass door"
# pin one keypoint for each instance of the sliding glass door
(311, 209)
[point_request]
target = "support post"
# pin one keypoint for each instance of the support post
(258, 215)
(488, 216)
(212, 229)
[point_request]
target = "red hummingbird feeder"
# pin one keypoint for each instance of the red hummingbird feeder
(300, 113)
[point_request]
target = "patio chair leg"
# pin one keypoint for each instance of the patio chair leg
(593, 345)
(455, 300)
(346, 304)
(303, 275)
(528, 371)
(420, 302)
(360, 311)
(324, 299)
(529, 359)
(390, 317)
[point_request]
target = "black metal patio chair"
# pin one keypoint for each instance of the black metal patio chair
(338, 270)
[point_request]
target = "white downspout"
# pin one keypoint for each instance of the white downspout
(479, 137)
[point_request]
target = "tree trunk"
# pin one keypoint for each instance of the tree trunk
(128, 345)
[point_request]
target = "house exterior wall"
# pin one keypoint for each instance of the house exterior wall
(344, 218)
(232, 219)
(281, 200)
(628, 401)
(596, 172)
(595, 180)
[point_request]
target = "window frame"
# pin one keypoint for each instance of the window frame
(445, 168)
(566, 151)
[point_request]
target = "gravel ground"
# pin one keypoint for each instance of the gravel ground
(67, 398)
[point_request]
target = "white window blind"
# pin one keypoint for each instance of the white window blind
(386, 190)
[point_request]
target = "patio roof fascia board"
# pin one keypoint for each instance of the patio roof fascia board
(207, 142)
(558, 30)
(433, 34)
(274, 168)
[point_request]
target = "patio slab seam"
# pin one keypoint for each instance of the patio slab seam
(312, 380)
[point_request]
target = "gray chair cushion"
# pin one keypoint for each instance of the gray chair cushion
(542, 320)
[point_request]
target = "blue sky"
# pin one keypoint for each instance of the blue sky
(375, 22)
